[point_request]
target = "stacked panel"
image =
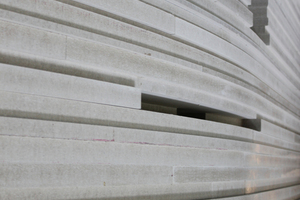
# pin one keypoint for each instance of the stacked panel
(148, 99)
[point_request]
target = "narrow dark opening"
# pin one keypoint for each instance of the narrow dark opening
(173, 107)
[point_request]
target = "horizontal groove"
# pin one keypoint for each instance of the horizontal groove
(149, 99)
(20, 175)
(112, 15)
(22, 150)
(98, 133)
(176, 192)
(38, 82)
(150, 47)
(208, 102)
(86, 114)
(236, 25)
(276, 186)
(90, 116)
(262, 50)
(80, 5)
(268, 94)
(264, 194)
(171, 36)
(65, 67)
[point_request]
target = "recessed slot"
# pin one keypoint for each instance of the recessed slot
(175, 107)
(159, 108)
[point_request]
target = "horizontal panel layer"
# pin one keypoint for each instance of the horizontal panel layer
(278, 132)
(74, 131)
(177, 191)
(43, 150)
(68, 175)
(225, 33)
(74, 74)
(217, 9)
(37, 107)
(270, 184)
(240, 10)
(29, 106)
(132, 10)
(171, 192)
(257, 160)
(187, 95)
(155, 68)
(214, 174)
(34, 41)
(290, 193)
(66, 67)
(37, 82)
(163, 42)
(262, 138)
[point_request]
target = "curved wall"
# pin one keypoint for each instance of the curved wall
(149, 99)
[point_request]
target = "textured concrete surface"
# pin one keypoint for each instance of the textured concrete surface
(149, 99)
(41, 83)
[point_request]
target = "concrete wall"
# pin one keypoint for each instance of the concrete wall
(149, 99)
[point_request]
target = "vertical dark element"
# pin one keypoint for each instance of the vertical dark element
(260, 19)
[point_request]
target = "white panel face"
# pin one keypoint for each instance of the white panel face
(22, 38)
(134, 10)
(42, 83)
(149, 99)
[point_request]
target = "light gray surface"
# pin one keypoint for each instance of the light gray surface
(25, 39)
(70, 175)
(38, 107)
(37, 82)
(64, 130)
(96, 151)
(75, 73)
(133, 10)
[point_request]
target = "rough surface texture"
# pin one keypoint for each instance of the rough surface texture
(149, 99)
